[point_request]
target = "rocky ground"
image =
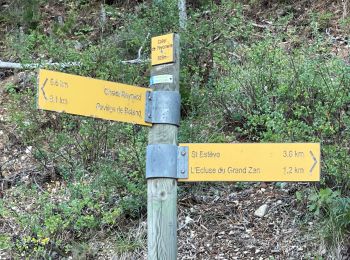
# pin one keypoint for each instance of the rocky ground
(258, 221)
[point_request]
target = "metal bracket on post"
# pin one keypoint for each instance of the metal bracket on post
(163, 107)
(166, 161)
(182, 162)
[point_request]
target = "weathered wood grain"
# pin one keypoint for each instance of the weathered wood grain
(162, 192)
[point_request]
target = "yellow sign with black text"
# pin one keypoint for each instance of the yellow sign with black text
(162, 49)
(84, 96)
(254, 162)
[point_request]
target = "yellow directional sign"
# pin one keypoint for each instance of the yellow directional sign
(91, 97)
(162, 49)
(254, 162)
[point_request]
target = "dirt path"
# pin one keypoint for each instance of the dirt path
(220, 222)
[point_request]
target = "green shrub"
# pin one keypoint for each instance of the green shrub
(23, 13)
(5, 242)
(74, 212)
(98, 165)
(334, 211)
(290, 97)
(303, 95)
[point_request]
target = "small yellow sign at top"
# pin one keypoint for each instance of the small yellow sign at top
(162, 49)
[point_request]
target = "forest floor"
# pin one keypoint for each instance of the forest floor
(219, 222)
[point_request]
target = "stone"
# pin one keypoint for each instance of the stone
(78, 46)
(281, 185)
(261, 211)
(28, 149)
(188, 220)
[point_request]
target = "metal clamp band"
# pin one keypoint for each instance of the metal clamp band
(166, 161)
(182, 162)
(163, 107)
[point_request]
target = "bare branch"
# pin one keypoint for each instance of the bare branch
(139, 53)
(14, 65)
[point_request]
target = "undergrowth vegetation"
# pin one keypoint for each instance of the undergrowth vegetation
(237, 84)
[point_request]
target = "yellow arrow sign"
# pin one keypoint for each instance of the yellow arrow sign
(254, 162)
(91, 97)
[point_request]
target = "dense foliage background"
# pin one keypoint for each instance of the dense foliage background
(275, 80)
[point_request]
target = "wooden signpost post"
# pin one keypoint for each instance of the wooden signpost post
(162, 192)
(166, 162)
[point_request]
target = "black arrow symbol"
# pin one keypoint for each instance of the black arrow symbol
(42, 89)
(315, 161)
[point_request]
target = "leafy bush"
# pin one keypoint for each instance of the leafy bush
(334, 211)
(290, 97)
(69, 211)
(303, 95)
(91, 172)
